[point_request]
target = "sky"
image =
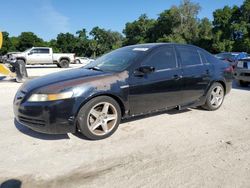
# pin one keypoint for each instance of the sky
(47, 18)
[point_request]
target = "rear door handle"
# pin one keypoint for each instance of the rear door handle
(177, 77)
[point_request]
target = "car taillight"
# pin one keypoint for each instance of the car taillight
(229, 69)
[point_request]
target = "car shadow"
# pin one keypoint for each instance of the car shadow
(41, 136)
(40, 66)
(77, 134)
(6, 79)
(143, 116)
(81, 136)
(236, 86)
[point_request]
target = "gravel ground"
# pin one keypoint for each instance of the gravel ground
(189, 148)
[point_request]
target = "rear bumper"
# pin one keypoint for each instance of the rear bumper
(242, 74)
(46, 117)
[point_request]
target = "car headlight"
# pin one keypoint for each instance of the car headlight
(50, 97)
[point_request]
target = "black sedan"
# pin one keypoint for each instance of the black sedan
(130, 81)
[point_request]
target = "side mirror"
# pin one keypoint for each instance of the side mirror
(141, 71)
(30, 53)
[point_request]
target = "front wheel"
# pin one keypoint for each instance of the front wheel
(99, 118)
(215, 97)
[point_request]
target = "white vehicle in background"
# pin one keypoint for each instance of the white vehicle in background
(44, 55)
(83, 60)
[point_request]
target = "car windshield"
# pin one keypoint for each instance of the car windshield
(117, 60)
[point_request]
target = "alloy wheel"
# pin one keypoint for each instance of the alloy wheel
(102, 118)
(216, 97)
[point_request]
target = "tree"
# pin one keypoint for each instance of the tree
(82, 43)
(6, 44)
(205, 34)
(66, 42)
(177, 24)
(137, 31)
(27, 40)
(104, 41)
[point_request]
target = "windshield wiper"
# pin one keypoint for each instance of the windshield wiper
(94, 68)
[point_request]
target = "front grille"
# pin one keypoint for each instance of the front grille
(32, 122)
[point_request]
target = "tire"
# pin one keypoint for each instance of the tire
(94, 122)
(242, 83)
(78, 61)
(20, 70)
(215, 97)
(64, 63)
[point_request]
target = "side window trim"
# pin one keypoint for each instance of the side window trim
(204, 57)
(168, 69)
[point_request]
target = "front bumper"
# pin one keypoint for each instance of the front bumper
(242, 74)
(54, 117)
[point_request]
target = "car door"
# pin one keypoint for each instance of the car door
(160, 88)
(33, 56)
(45, 55)
(196, 74)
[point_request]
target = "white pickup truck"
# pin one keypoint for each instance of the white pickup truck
(44, 55)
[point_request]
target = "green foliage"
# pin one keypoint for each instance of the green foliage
(28, 40)
(137, 32)
(104, 41)
(6, 43)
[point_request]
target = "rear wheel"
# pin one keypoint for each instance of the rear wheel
(64, 63)
(242, 83)
(215, 97)
(99, 118)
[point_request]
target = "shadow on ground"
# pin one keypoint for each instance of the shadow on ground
(41, 66)
(6, 79)
(236, 86)
(43, 136)
(38, 135)
(169, 112)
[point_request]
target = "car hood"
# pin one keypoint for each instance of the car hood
(60, 77)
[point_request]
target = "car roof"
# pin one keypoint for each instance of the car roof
(153, 45)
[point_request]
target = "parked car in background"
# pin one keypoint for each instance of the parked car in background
(83, 60)
(44, 55)
(242, 72)
(129, 81)
(231, 57)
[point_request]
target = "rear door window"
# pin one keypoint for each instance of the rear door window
(189, 56)
(162, 58)
(43, 51)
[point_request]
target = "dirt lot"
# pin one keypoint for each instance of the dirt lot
(189, 148)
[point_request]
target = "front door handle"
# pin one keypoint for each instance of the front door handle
(177, 77)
